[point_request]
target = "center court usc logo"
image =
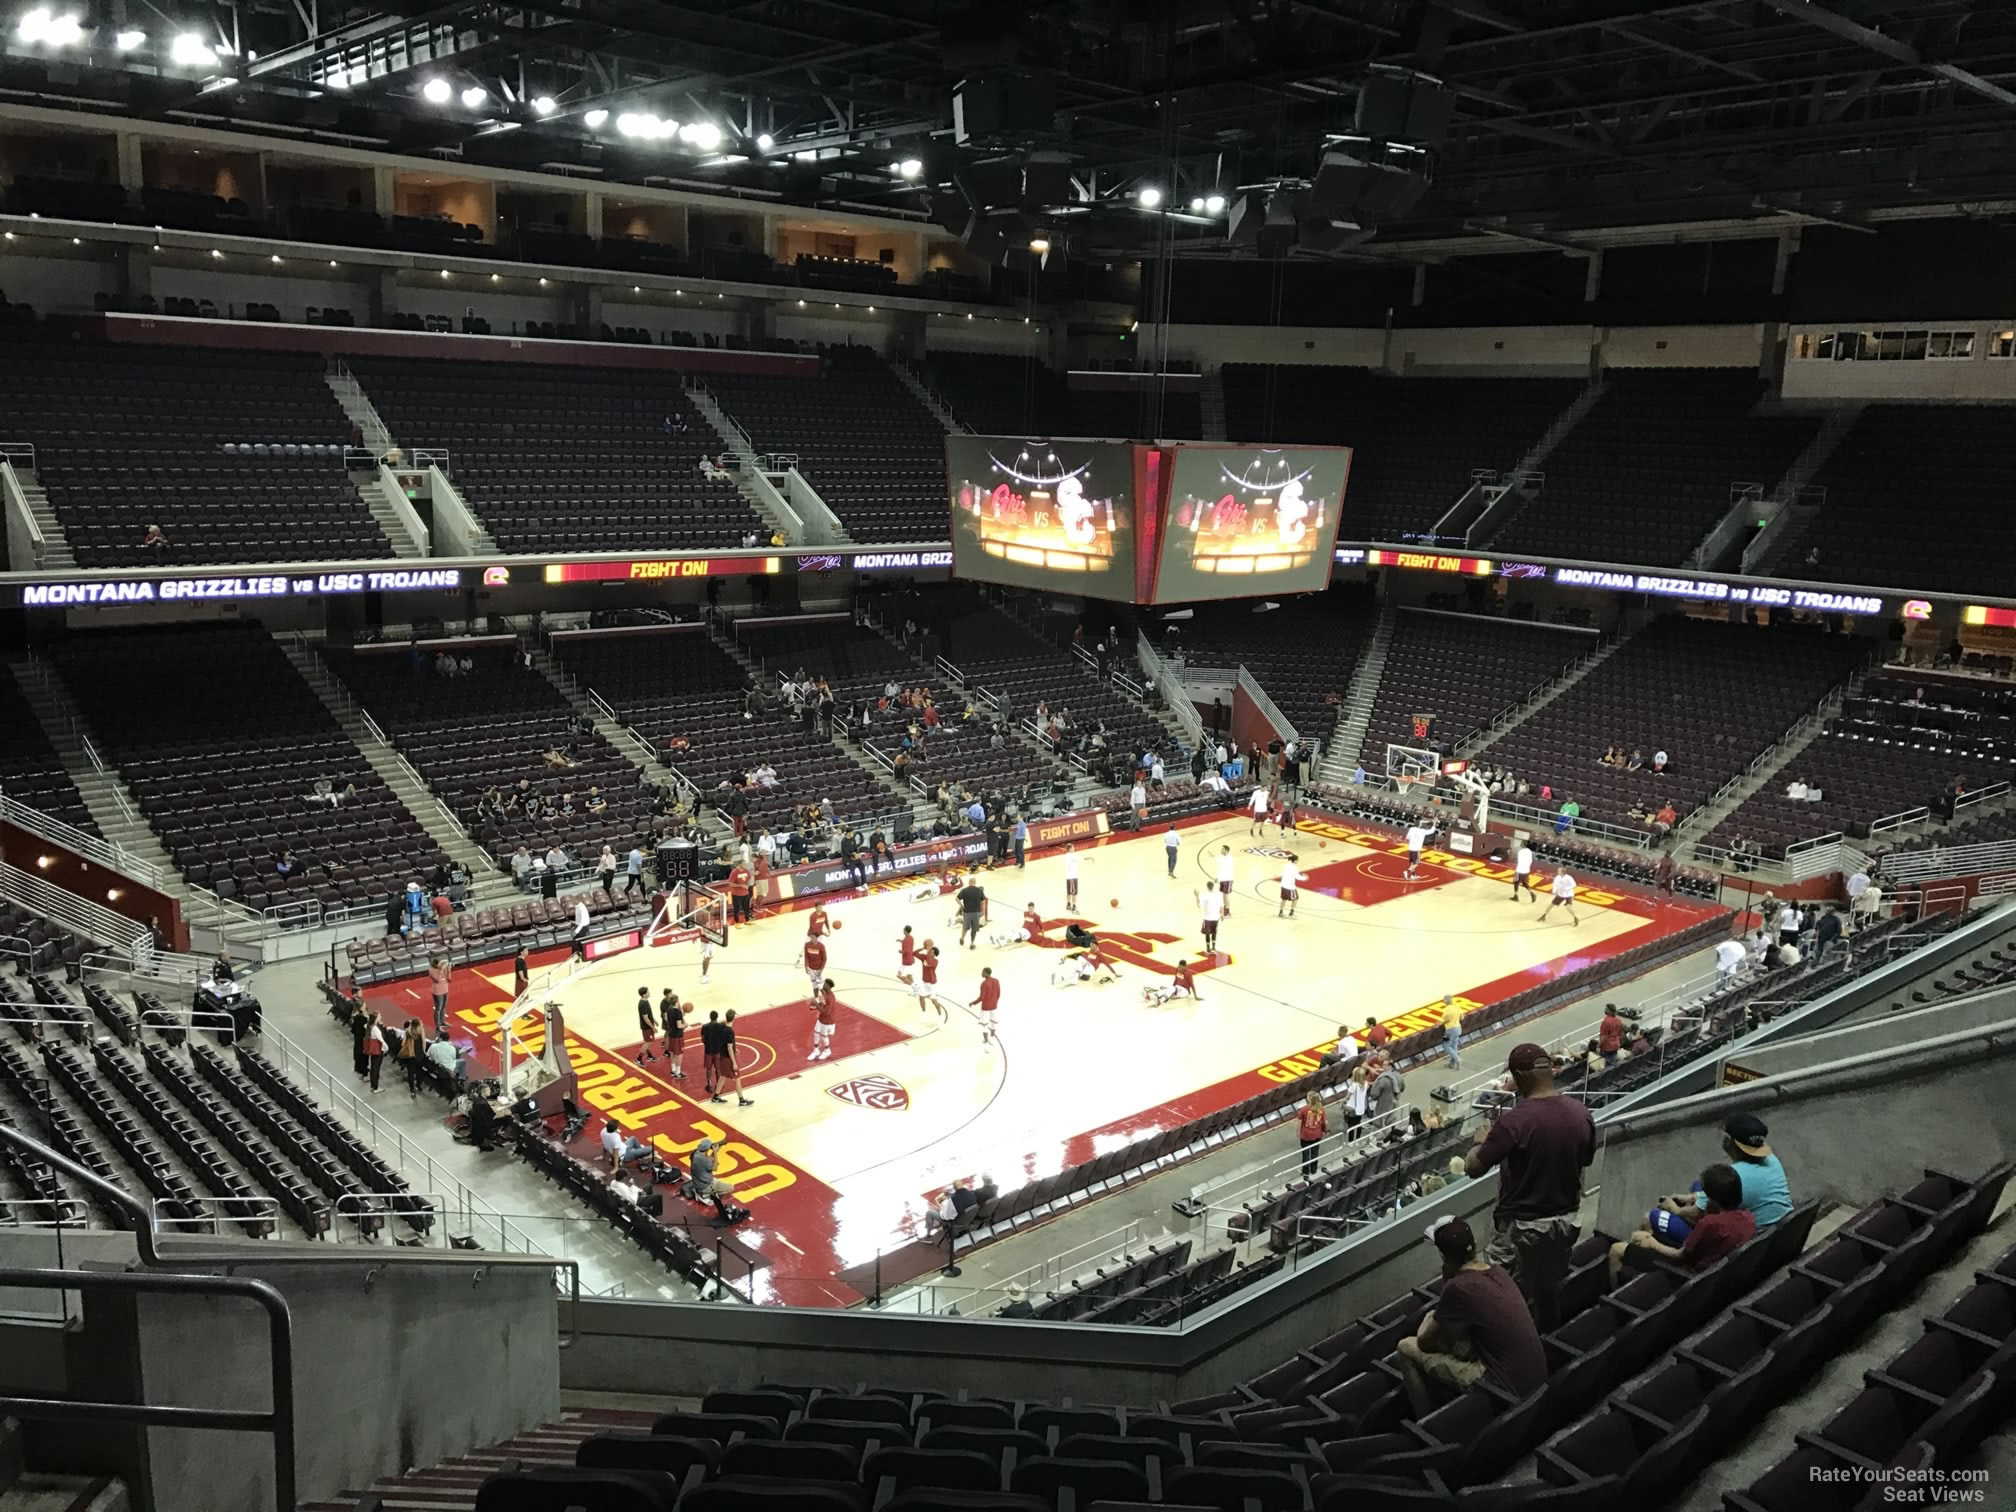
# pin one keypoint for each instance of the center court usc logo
(876, 1092)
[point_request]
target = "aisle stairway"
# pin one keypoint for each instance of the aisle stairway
(451, 1485)
(1354, 715)
(487, 878)
(56, 552)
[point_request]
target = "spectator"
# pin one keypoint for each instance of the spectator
(411, 1055)
(1311, 1124)
(580, 928)
(1790, 924)
(444, 908)
(1452, 1032)
(1659, 763)
(621, 1149)
(1382, 1090)
(439, 973)
(375, 1047)
(1566, 815)
(605, 867)
(700, 1182)
(1730, 955)
(444, 1054)
(1723, 1227)
(1376, 1034)
(1478, 1329)
(633, 871)
(1544, 1142)
(155, 542)
(1826, 934)
(556, 858)
(1664, 820)
(1766, 1194)
(521, 865)
(1356, 1100)
(1018, 1303)
(1610, 1035)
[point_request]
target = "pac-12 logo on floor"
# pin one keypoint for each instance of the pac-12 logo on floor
(878, 1093)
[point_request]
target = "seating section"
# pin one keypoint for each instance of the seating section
(1004, 658)
(1711, 694)
(1464, 670)
(566, 458)
(1001, 395)
(490, 729)
(863, 440)
(34, 944)
(1648, 472)
(490, 934)
(1415, 441)
(688, 699)
(1302, 653)
(31, 770)
(1902, 743)
(1899, 459)
(1646, 1380)
(237, 456)
(221, 742)
(858, 664)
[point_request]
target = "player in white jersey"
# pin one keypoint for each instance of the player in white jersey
(1257, 806)
(1417, 836)
(1227, 875)
(1522, 873)
(1071, 879)
(1291, 883)
(1562, 896)
(1212, 903)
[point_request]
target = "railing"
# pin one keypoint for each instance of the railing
(25, 540)
(1169, 683)
(1230, 1192)
(158, 968)
(1052, 1273)
(950, 673)
(402, 508)
(453, 1198)
(77, 914)
(1949, 861)
(1269, 710)
(101, 853)
(462, 534)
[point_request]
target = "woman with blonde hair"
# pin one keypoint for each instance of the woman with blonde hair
(1312, 1123)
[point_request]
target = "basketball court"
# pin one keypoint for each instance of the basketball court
(840, 1160)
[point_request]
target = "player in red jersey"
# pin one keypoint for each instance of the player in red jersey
(817, 924)
(908, 946)
(927, 987)
(1025, 932)
(987, 1002)
(1182, 984)
(823, 1019)
(814, 959)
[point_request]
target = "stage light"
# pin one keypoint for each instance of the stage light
(1214, 204)
(909, 168)
(636, 288)
(1039, 245)
(216, 254)
(702, 134)
(437, 91)
(276, 257)
(474, 96)
(595, 119)
(76, 241)
(10, 237)
(1150, 198)
(444, 272)
(807, 155)
(494, 277)
(1197, 205)
(764, 142)
(543, 105)
(41, 26)
(129, 40)
(190, 51)
(542, 283)
(631, 124)
(225, 82)
(801, 304)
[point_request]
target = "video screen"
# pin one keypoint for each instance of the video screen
(1043, 513)
(1244, 520)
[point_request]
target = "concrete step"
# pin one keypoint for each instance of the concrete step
(1354, 715)
(406, 783)
(371, 489)
(940, 410)
(36, 1492)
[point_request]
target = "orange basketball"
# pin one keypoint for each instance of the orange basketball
(836, 926)
(1112, 902)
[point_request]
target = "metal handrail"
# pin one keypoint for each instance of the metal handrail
(277, 1422)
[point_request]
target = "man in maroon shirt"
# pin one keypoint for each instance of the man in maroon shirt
(1723, 1229)
(1544, 1142)
(1478, 1330)
(1610, 1034)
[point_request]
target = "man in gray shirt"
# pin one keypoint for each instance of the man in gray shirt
(1382, 1095)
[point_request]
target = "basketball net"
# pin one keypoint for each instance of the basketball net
(691, 911)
